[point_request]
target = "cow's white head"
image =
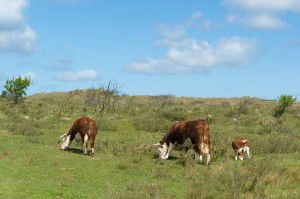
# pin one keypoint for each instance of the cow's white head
(162, 150)
(65, 141)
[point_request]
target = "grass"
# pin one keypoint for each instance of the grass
(126, 165)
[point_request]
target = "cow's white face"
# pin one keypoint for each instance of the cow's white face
(66, 142)
(162, 150)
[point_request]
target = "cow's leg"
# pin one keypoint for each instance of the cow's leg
(236, 155)
(82, 141)
(240, 156)
(92, 140)
(205, 150)
(198, 155)
(171, 146)
(71, 139)
(247, 149)
(208, 158)
(85, 142)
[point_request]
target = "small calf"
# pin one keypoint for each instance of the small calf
(240, 146)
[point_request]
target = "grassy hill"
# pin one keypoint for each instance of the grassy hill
(126, 165)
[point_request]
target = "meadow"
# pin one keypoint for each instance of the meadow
(126, 164)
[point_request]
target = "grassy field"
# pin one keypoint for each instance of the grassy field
(126, 165)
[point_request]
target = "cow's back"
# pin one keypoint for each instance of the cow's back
(85, 124)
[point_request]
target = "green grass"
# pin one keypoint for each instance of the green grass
(126, 165)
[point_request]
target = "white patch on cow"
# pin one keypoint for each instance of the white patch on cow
(240, 150)
(162, 151)
(93, 150)
(244, 141)
(241, 157)
(247, 151)
(198, 157)
(66, 142)
(236, 157)
(85, 141)
(208, 158)
(169, 151)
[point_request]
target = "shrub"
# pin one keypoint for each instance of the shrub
(230, 180)
(276, 144)
(267, 125)
(174, 114)
(26, 127)
(284, 102)
(16, 88)
(106, 124)
(151, 124)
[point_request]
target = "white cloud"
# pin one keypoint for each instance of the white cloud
(262, 14)
(266, 5)
(22, 41)
(15, 34)
(261, 21)
(80, 76)
(187, 55)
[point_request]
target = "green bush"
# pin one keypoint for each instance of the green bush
(275, 144)
(25, 126)
(229, 180)
(175, 114)
(106, 124)
(151, 124)
(284, 102)
(16, 88)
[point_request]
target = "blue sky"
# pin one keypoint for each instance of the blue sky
(200, 48)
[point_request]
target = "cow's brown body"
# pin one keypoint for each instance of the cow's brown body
(240, 146)
(197, 131)
(87, 129)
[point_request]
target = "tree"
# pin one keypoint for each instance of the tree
(15, 88)
(284, 101)
(103, 98)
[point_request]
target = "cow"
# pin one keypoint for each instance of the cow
(240, 146)
(87, 130)
(196, 132)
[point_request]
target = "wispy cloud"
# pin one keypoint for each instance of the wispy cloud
(79, 76)
(15, 35)
(259, 21)
(266, 5)
(187, 55)
(261, 14)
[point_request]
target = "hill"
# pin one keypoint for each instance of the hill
(126, 164)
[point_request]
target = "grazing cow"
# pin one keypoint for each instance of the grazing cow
(197, 132)
(240, 146)
(87, 129)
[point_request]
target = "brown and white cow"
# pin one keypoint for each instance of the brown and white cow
(197, 132)
(240, 146)
(87, 130)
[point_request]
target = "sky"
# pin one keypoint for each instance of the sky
(198, 48)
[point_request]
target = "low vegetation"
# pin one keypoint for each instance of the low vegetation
(125, 163)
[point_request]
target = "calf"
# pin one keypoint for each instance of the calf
(240, 146)
(87, 129)
(197, 132)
